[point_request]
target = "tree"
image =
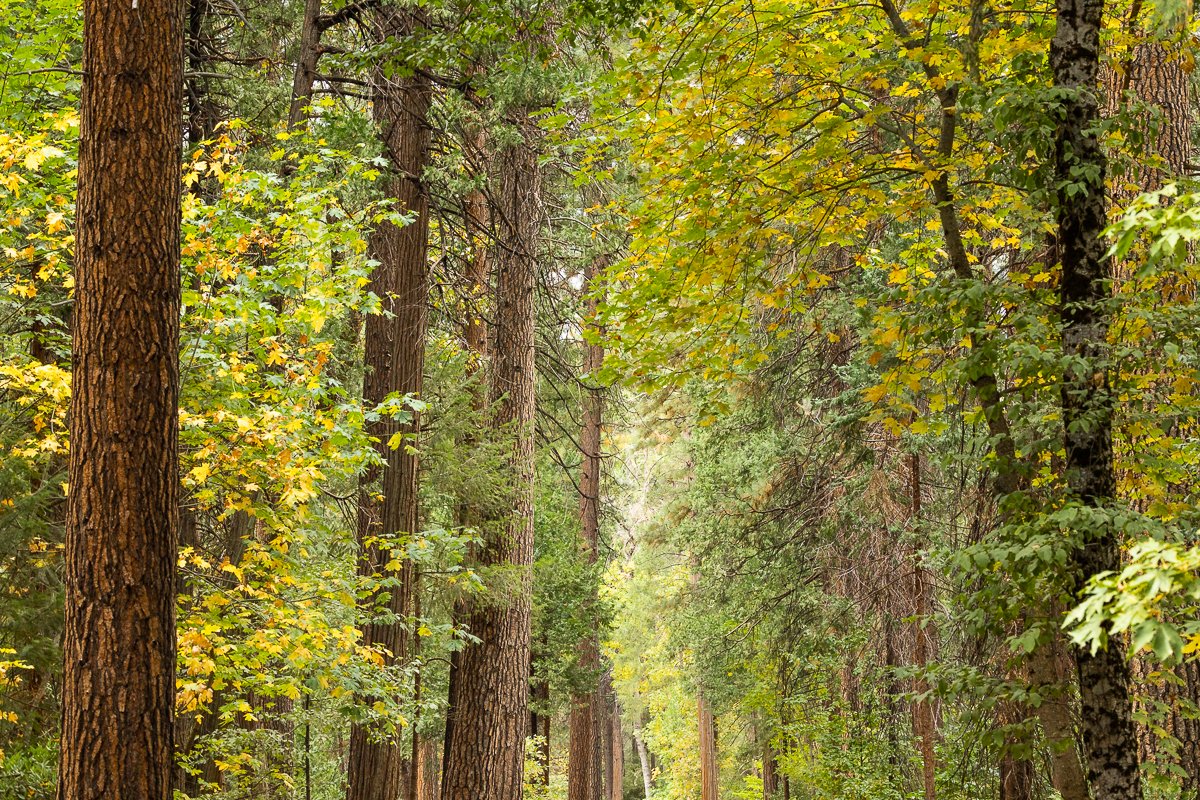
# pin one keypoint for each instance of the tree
(394, 358)
(119, 637)
(1087, 400)
(490, 687)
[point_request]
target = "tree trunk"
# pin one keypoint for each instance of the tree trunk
(485, 750)
(583, 771)
(428, 764)
(709, 771)
(616, 787)
(118, 684)
(924, 714)
(306, 64)
(395, 362)
(201, 111)
(770, 770)
(1108, 732)
(644, 759)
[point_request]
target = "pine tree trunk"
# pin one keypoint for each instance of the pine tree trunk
(924, 714)
(709, 771)
(1108, 732)
(118, 684)
(395, 362)
(485, 749)
(306, 64)
(583, 771)
(770, 771)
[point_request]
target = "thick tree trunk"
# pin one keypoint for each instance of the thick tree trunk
(428, 764)
(306, 64)
(485, 750)
(709, 770)
(1108, 732)
(395, 362)
(118, 685)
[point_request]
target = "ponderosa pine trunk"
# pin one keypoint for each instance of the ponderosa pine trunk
(395, 361)
(118, 686)
(583, 772)
(490, 691)
(1080, 166)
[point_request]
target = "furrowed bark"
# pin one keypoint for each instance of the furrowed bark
(395, 361)
(1084, 289)
(118, 686)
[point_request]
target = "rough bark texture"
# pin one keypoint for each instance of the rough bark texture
(709, 771)
(119, 636)
(490, 694)
(1156, 74)
(395, 361)
(306, 64)
(583, 773)
(924, 712)
(1080, 164)
(770, 770)
(428, 763)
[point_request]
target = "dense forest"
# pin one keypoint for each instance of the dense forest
(599, 400)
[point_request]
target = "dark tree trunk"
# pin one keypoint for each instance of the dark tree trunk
(122, 514)
(485, 749)
(306, 64)
(770, 771)
(202, 113)
(395, 362)
(1108, 732)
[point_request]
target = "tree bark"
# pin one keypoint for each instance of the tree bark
(395, 362)
(306, 64)
(118, 685)
(1080, 165)
(639, 744)
(924, 714)
(485, 749)
(770, 770)
(616, 786)
(709, 770)
(583, 772)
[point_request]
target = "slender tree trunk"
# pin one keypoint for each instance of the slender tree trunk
(485, 751)
(1108, 732)
(770, 771)
(395, 362)
(709, 770)
(639, 744)
(118, 685)
(924, 714)
(539, 722)
(616, 786)
(583, 771)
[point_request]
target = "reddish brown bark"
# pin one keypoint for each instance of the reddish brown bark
(709, 770)
(395, 361)
(490, 691)
(119, 635)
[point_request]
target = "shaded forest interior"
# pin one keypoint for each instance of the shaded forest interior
(599, 400)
